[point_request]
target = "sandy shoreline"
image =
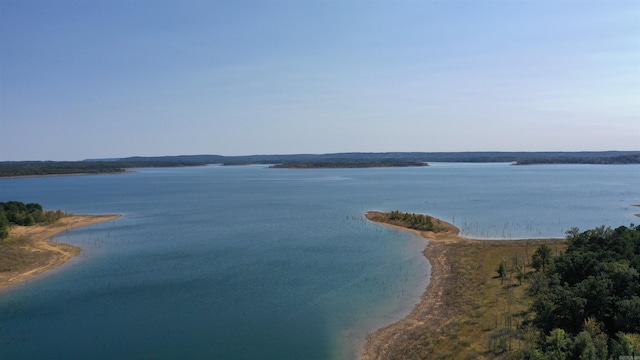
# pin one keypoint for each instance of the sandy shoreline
(35, 240)
(381, 343)
(440, 304)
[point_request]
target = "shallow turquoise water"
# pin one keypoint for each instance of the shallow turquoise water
(248, 262)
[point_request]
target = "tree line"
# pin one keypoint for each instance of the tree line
(348, 163)
(410, 220)
(611, 160)
(586, 301)
(38, 168)
(19, 213)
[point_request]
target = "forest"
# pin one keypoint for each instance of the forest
(39, 168)
(348, 163)
(587, 301)
(612, 160)
(334, 160)
(19, 213)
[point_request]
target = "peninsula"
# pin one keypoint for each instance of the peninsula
(466, 309)
(27, 251)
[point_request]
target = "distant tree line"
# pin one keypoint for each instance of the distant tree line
(468, 156)
(336, 160)
(19, 213)
(587, 300)
(34, 168)
(620, 160)
(349, 163)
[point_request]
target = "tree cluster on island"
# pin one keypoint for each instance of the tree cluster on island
(348, 163)
(19, 213)
(409, 220)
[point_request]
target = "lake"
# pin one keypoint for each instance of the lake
(247, 262)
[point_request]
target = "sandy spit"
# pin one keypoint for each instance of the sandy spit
(37, 240)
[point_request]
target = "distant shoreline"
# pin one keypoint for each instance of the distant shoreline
(440, 305)
(126, 171)
(348, 164)
(35, 240)
(344, 160)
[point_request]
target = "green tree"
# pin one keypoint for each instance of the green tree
(502, 271)
(584, 348)
(626, 344)
(627, 317)
(598, 337)
(558, 345)
(541, 257)
(4, 225)
(591, 292)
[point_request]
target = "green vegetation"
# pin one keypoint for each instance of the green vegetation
(336, 160)
(610, 160)
(408, 220)
(37, 168)
(577, 298)
(482, 310)
(349, 163)
(542, 257)
(468, 156)
(587, 301)
(18, 213)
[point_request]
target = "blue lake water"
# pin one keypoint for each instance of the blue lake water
(254, 263)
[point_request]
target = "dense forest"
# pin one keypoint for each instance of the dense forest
(36, 168)
(348, 163)
(614, 160)
(467, 156)
(19, 213)
(587, 300)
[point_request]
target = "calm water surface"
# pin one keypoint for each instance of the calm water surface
(247, 262)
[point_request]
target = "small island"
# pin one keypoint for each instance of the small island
(349, 164)
(25, 230)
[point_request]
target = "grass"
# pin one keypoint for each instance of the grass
(15, 254)
(491, 312)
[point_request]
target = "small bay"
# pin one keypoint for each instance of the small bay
(247, 262)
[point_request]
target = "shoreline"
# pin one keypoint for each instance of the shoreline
(69, 174)
(442, 302)
(35, 240)
(381, 343)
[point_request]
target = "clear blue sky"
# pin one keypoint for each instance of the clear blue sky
(95, 79)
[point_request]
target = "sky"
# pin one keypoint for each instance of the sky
(106, 79)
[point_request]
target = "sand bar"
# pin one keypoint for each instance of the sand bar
(432, 307)
(40, 254)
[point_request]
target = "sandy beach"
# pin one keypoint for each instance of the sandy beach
(452, 295)
(432, 311)
(31, 253)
